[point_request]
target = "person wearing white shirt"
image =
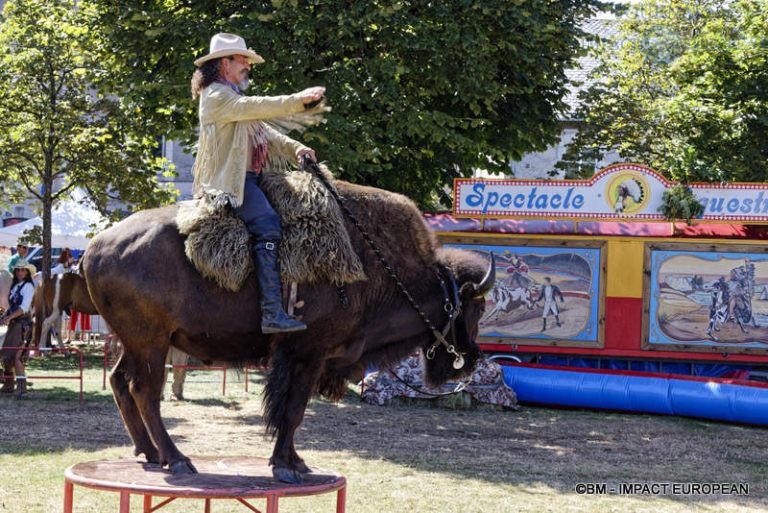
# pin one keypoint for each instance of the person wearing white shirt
(64, 264)
(19, 321)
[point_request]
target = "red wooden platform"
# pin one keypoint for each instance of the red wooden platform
(237, 478)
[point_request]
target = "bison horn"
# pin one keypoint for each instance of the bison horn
(486, 284)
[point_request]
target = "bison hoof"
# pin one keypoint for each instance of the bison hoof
(182, 467)
(287, 475)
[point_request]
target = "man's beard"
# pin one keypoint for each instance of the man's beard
(244, 84)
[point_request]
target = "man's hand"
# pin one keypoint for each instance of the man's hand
(306, 151)
(312, 94)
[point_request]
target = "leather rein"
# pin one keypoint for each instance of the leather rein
(452, 301)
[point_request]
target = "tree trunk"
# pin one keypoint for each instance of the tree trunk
(47, 217)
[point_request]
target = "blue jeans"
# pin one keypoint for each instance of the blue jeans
(258, 215)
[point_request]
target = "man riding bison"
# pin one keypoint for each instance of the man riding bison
(142, 282)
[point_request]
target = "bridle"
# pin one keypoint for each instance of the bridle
(452, 307)
(452, 301)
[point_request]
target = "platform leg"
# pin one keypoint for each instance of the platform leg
(68, 496)
(272, 505)
(147, 503)
(207, 505)
(125, 502)
(341, 499)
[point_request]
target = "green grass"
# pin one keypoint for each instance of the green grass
(406, 457)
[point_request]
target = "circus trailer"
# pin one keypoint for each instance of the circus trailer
(601, 302)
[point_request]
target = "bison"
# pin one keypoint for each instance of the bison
(143, 285)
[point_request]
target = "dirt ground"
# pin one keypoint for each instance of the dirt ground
(533, 458)
(404, 457)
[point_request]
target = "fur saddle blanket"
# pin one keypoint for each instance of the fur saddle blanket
(316, 246)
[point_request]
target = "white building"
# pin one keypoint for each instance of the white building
(174, 152)
(541, 165)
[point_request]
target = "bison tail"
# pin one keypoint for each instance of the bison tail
(277, 390)
(290, 383)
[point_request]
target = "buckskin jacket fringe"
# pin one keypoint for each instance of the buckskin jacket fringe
(228, 121)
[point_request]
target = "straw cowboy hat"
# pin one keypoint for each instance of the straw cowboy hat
(22, 263)
(224, 45)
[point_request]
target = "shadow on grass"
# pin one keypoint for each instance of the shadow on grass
(62, 423)
(40, 390)
(540, 446)
(221, 403)
(533, 448)
(68, 361)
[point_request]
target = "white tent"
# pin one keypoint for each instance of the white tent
(71, 222)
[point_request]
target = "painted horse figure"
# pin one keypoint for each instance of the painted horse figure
(506, 299)
(143, 285)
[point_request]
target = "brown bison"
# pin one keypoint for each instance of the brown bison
(143, 285)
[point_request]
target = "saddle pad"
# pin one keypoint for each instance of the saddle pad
(315, 246)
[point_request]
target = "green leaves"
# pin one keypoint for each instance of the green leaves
(422, 92)
(683, 91)
(58, 130)
(32, 236)
(680, 203)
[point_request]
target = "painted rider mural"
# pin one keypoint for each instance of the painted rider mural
(517, 270)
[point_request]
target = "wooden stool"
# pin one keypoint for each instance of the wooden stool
(237, 478)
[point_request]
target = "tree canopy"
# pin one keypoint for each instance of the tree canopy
(59, 130)
(682, 89)
(422, 92)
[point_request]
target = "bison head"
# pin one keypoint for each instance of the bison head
(474, 278)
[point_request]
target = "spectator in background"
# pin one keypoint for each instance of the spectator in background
(64, 263)
(75, 317)
(177, 360)
(21, 252)
(19, 320)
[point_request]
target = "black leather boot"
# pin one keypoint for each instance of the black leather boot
(273, 317)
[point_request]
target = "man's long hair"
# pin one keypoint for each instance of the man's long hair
(204, 76)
